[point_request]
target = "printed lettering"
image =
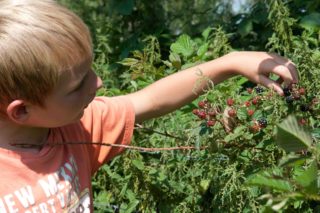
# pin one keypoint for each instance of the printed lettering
(2, 207)
(61, 199)
(43, 208)
(51, 203)
(35, 209)
(25, 196)
(10, 203)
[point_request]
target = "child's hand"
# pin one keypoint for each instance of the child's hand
(257, 66)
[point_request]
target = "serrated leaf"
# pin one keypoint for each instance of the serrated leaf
(202, 49)
(205, 34)
(291, 137)
(175, 60)
(138, 164)
(316, 133)
(129, 62)
(292, 160)
(311, 21)
(184, 46)
(245, 27)
(242, 113)
(266, 181)
(308, 178)
(257, 114)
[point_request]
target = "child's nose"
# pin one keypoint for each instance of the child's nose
(99, 83)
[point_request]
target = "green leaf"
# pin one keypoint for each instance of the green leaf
(204, 185)
(202, 49)
(291, 137)
(205, 34)
(138, 163)
(245, 27)
(257, 114)
(308, 178)
(293, 160)
(129, 62)
(242, 113)
(316, 133)
(264, 180)
(175, 60)
(184, 46)
(311, 21)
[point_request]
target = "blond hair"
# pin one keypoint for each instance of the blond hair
(39, 39)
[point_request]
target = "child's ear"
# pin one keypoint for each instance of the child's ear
(17, 111)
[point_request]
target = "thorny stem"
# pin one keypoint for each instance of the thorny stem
(139, 126)
(143, 149)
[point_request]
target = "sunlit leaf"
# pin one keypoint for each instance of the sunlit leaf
(138, 163)
(184, 46)
(291, 137)
(265, 181)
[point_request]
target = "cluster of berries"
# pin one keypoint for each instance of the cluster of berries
(297, 96)
(294, 96)
(207, 112)
(294, 93)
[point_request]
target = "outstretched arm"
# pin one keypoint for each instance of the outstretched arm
(176, 90)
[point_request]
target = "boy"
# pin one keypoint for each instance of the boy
(47, 92)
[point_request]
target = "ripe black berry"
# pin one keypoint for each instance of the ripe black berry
(304, 108)
(289, 99)
(259, 90)
(286, 92)
(262, 122)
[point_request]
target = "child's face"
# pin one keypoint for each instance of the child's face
(74, 91)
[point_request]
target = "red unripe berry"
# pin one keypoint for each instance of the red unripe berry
(250, 112)
(211, 122)
(249, 90)
(302, 91)
(232, 112)
(247, 103)
(255, 128)
(255, 101)
(230, 102)
(195, 111)
(202, 104)
(202, 114)
(302, 121)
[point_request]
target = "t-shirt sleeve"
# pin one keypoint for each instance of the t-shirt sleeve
(110, 121)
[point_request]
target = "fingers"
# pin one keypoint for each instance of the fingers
(288, 77)
(289, 66)
(274, 85)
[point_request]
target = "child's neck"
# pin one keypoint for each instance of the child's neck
(22, 138)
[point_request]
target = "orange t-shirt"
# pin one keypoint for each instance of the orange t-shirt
(58, 178)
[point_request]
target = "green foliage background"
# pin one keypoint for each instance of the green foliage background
(138, 42)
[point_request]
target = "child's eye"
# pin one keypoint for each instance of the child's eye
(79, 86)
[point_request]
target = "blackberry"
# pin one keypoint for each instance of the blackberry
(289, 99)
(304, 107)
(262, 122)
(259, 90)
(286, 92)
